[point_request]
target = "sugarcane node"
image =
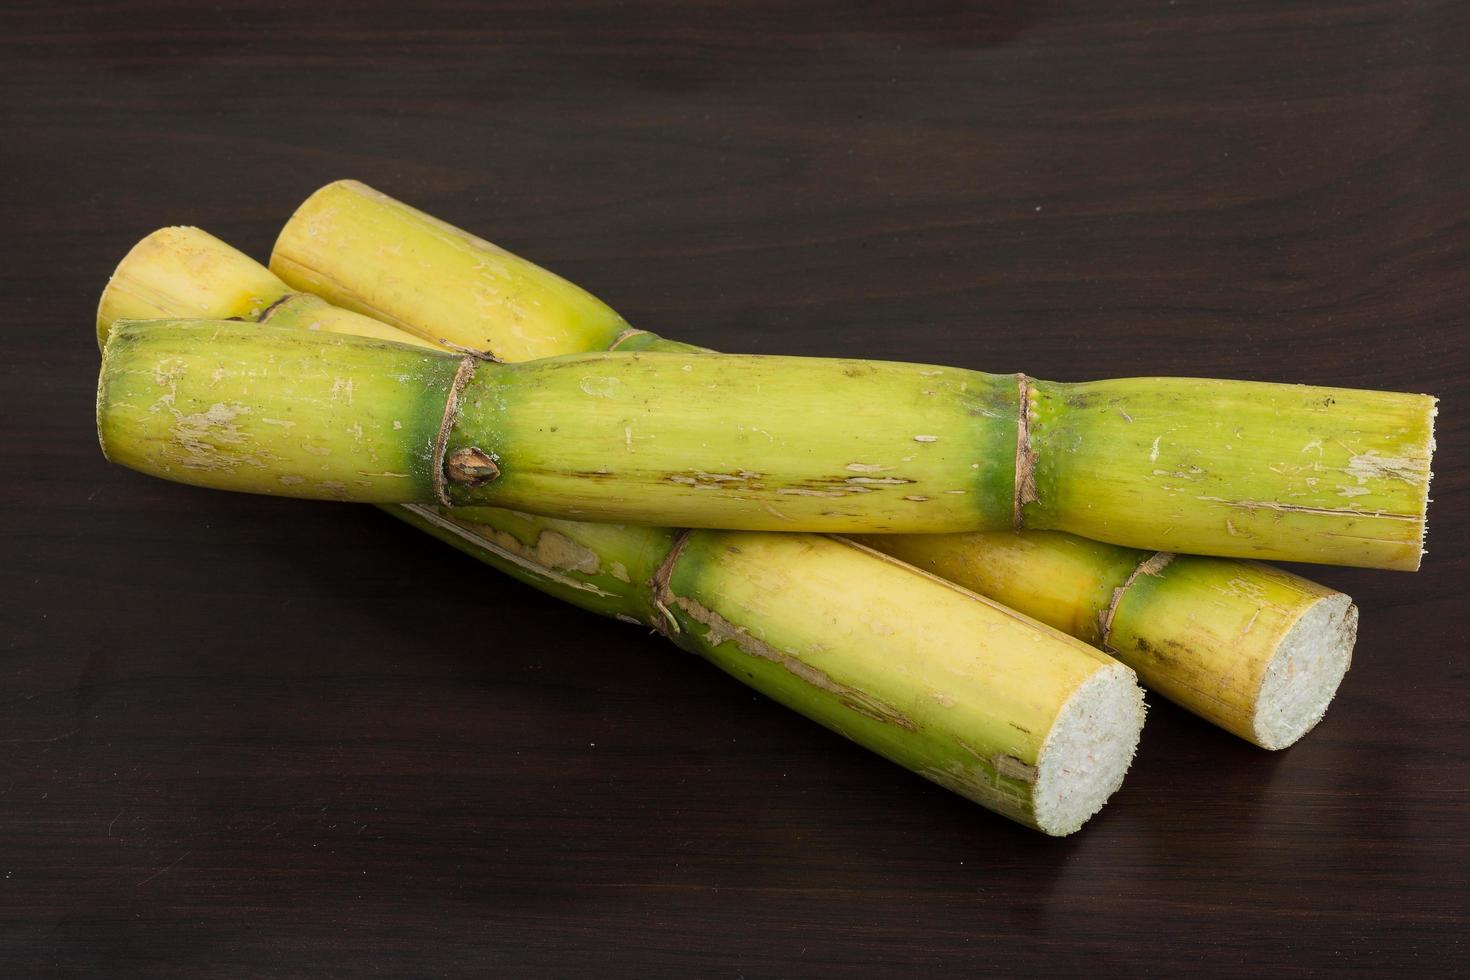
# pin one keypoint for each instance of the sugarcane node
(661, 593)
(269, 311)
(1152, 565)
(628, 334)
(471, 467)
(478, 353)
(1025, 479)
(441, 469)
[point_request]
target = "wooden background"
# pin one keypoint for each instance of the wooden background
(233, 738)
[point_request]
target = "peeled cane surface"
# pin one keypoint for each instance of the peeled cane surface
(700, 588)
(1238, 469)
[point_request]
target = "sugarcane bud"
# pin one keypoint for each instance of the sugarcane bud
(471, 467)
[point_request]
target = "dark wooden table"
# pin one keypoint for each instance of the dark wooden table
(233, 738)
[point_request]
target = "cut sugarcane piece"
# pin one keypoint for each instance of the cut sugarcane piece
(619, 436)
(719, 440)
(1214, 467)
(1254, 649)
(1006, 712)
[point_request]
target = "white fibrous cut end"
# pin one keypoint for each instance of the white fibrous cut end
(1305, 671)
(1088, 750)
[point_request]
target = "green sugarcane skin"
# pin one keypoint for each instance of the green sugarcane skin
(923, 672)
(183, 278)
(663, 437)
(1075, 433)
(1233, 467)
(1181, 623)
(1078, 434)
(307, 312)
(224, 404)
(273, 409)
(1155, 622)
(712, 440)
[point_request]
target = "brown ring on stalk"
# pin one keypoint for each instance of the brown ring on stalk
(628, 334)
(269, 311)
(1152, 565)
(1025, 479)
(475, 352)
(659, 589)
(462, 377)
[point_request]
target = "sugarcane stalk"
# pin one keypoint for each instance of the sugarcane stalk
(706, 441)
(1255, 650)
(1238, 469)
(1006, 712)
(717, 440)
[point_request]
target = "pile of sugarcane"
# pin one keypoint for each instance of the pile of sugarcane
(967, 573)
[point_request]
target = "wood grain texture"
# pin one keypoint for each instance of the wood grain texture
(235, 737)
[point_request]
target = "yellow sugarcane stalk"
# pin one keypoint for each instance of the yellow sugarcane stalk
(1018, 717)
(718, 440)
